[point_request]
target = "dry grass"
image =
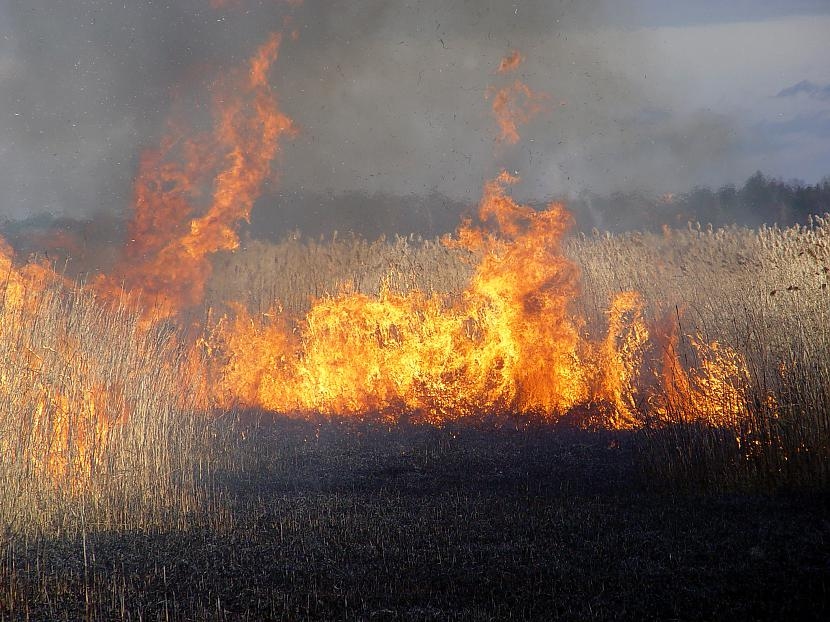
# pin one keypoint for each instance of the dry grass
(69, 364)
(176, 515)
(100, 427)
(296, 270)
(763, 293)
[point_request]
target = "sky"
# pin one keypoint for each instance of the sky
(391, 97)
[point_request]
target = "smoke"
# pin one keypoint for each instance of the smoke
(86, 86)
(390, 99)
(399, 95)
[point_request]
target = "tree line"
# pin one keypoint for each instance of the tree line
(760, 200)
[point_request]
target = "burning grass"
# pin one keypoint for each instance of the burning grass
(704, 353)
(762, 294)
(139, 500)
(720, 358)
(733, 393)
(101, 420)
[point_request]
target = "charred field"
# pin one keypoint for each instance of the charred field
(360, 521)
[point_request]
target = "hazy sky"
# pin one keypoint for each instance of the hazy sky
(655, 95)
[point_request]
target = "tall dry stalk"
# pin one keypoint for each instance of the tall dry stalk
(98, 412)
(762, 293)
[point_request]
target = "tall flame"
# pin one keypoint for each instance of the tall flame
(189, 196)
(509, 343)
(171, 238)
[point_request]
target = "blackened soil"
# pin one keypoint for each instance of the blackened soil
(357, 521)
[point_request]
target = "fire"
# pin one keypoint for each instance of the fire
(622, 355)
(511, 62)
(170, 238)
(69, 435)
(71, 411)
(712, 391)
(515, 105)
(509, 343)
(16, 283)
(174, 230)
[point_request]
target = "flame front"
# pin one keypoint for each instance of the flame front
(509, 343)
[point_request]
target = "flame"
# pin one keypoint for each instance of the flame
(713, 391)
(71, 413)
(19, 285)
(173, 231)
(171, 238)
(69, 435)
(622, 356)
(511, 62)
(509, 343)
(515, 105)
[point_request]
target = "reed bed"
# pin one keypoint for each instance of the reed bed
(101, 425)
(297, 270)
(764, 293)
(104, 421)
(761, 292)
(122, 498)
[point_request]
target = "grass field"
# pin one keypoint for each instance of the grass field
(181, 512)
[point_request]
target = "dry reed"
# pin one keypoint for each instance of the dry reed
(100, 422)
(763, 293)
(135, 451)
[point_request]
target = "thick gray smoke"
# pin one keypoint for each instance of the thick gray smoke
(390, 98)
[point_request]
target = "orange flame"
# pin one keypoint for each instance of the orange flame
(511, 62)
(515, 105)
(69, 435)
(621, 359)
(712, 391)
(70, 418)
(508, 343)
(166, 259)
(172, 233)
(16, 283)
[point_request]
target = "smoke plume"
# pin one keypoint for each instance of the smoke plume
(390, 100)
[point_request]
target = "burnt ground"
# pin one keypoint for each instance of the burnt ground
(356, 521)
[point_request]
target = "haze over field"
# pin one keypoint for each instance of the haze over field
(392, 97)
(295, 322)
